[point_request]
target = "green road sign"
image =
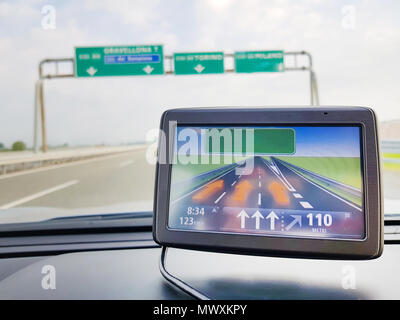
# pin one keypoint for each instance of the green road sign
(199, 63)
(259, 61)
(119, 61)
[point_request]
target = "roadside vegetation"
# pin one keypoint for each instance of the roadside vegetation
(16, 146)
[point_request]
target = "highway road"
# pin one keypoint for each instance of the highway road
(244, 203)
(122, 182)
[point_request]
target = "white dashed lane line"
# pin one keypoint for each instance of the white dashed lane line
(259, 184)
(220, 197)
(259, 199)
(306, 205)
(297, 195)
(234, 182)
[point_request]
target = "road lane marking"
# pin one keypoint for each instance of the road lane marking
(297, 195)
(38, 194)
(280, 172)
(274, 168)
(327, 191)
(259, 199)
(234, 182)
(286, 184)
(306, 205)
(126, 163)
(259, 184)
(220, 197)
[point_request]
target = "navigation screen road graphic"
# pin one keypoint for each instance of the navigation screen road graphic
(277, 198)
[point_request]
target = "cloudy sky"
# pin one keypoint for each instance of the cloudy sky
(355, 47)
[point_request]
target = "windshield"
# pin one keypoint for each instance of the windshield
(84, 85)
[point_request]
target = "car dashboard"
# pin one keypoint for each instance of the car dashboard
(126, 266)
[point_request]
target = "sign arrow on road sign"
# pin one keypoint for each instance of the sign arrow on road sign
(199, 63)
(297, 219)
(257, 215)
(91, 71)
(243, 215)
(199, 68)
(272, 215)
(148, 69)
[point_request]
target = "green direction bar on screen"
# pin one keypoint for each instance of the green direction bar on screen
(119, 61)
(259, 61)
(266, 141)
(199, 63)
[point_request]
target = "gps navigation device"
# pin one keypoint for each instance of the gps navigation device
(289, 182)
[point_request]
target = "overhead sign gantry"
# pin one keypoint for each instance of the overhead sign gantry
(149, 60)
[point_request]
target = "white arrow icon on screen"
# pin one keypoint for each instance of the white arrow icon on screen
(242, 215)
(199, 68)
(272, 215)
(148, 69)
(258, 216)
(91, 71)
(297, 219)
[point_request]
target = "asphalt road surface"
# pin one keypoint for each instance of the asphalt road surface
(123, 181)
(270, 186)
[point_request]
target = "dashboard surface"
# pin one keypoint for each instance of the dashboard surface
(134, 274)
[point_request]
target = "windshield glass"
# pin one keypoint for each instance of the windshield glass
(84, 85)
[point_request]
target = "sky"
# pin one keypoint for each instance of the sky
(328, 141)
(355, 47)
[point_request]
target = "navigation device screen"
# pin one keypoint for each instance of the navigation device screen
(300, 181)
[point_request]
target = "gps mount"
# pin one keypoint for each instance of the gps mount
(180, 284)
